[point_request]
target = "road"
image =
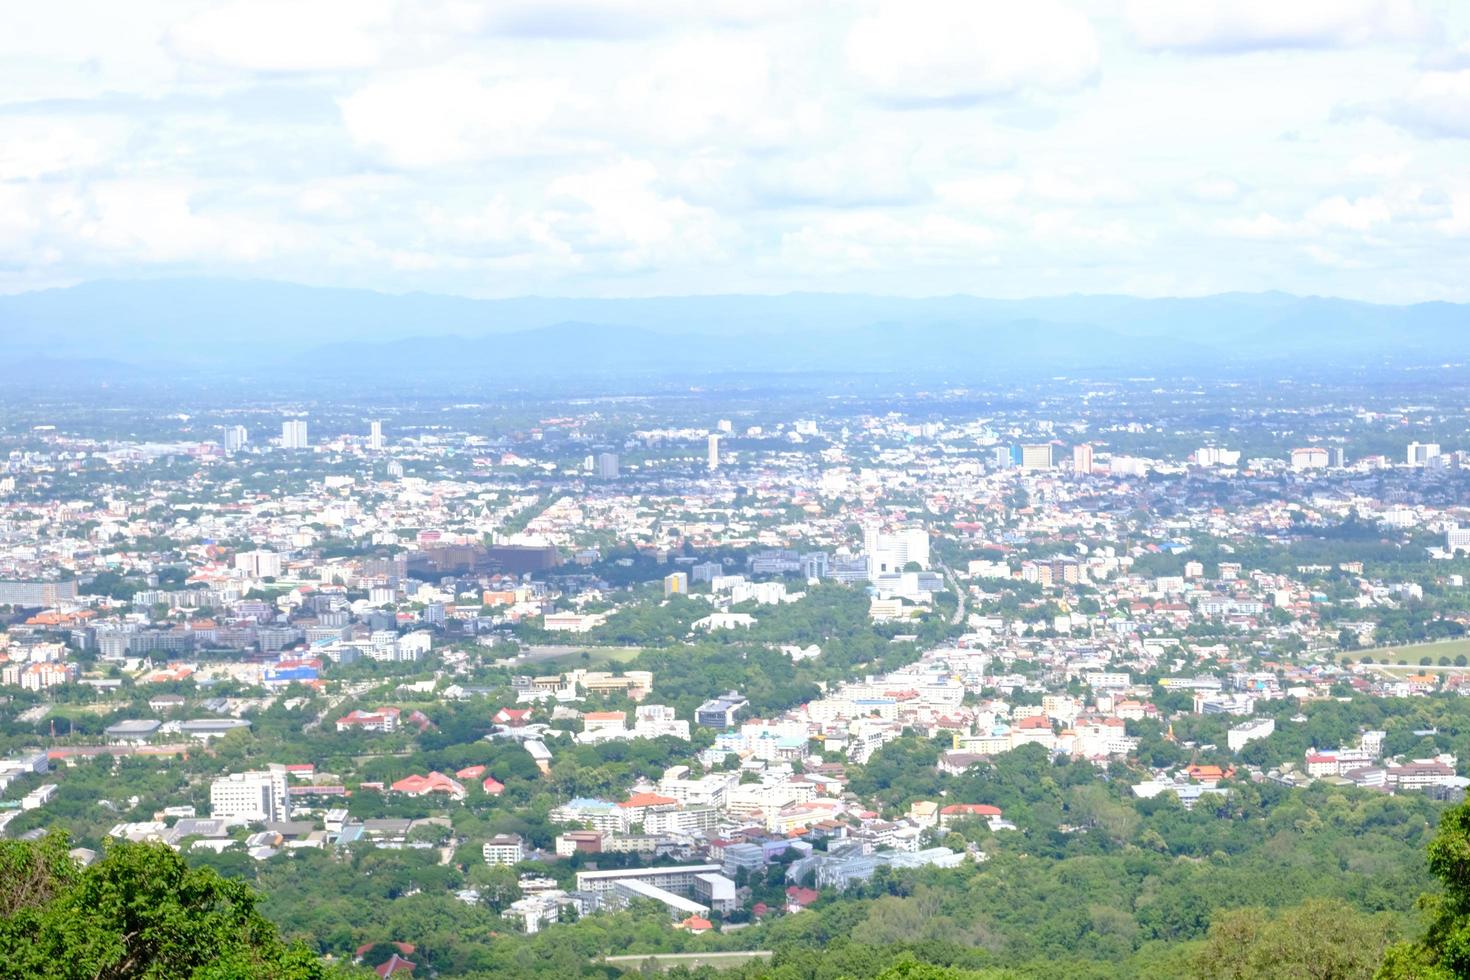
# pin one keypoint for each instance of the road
(961, 593)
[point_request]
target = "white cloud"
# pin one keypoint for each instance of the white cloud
(617, 211)
(700, 89)
(940, 52)
(1232, 26)
(1378, 164)
(450, 115)
(1361, 214)
(835, 244)
(1263, 226)
(1436, 105)
(1214, 189)
(41, 146)
(286, 35)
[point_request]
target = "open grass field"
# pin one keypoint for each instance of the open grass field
(550, 659)
(668, 961)
(1410, 655)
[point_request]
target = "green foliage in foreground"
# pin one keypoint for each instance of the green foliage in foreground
(140, 912)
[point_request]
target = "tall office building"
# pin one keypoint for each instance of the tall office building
(375, 436)
(251, 797)
(714, 450)
(676, 584)
(235, 438)
(607, 466)
(293, 434)
(1082, 458)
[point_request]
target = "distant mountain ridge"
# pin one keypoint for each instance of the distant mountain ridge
(216, 324)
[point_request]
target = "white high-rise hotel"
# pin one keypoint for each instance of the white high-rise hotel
(889, 551)
(375, 436)
(251, 797)
(293, 434)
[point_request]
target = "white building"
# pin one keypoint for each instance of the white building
(235, 438)
(1243, 734)
(375, 436)
(504, 849)
(259, 564)
(889, 552)
(250, 797)
(293, 434)
(1421, 453)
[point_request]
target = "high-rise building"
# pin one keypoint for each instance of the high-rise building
(725, 425)
(714, 450)
(676, 584)
(251, 797)
(259, 564)
(1037, 456)
(607, 466)
(1082, 458)
(375, 436)
(1310, 458)
(235, 438)
(889, 552)
(1215, 456)
(1421, 453)
(293, 434)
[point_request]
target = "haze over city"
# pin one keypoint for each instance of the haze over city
(739, 491)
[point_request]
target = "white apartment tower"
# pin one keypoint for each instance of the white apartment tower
(1082, 458)
(235, 438)
(375, 436)
(293, 434)
(714, 450)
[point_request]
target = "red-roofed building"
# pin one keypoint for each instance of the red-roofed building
(962, 811)
(799, 898)
(381, 720)
(512, 717)
(696, 925)
(493, 786)
(434, 782)
(395, 966)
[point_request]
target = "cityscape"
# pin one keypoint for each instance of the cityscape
(861, 491)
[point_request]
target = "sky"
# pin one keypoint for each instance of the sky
(622, 148)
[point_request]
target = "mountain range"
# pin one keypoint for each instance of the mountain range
(214, 326)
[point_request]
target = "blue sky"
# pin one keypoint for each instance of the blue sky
(611, 148)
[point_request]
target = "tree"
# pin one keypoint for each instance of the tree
(1247, 944)
(141, 912)
(1445, 950)
(498, 885)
